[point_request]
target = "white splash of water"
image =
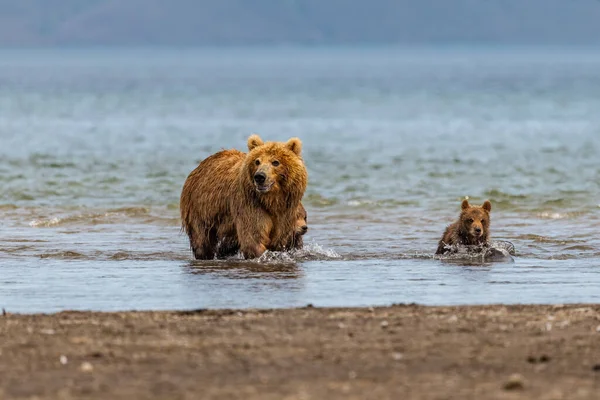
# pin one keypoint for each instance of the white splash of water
(44, 222)
(496, 251)
(358, 203)
(317, 249)
(310, 251)
(269, 257)
(554, 215)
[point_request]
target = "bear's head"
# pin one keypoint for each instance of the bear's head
(301, 221)
(475, 220)
(276, 170)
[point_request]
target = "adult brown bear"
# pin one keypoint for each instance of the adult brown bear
(246, 201)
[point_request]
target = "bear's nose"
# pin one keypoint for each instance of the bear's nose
(304, 228)
(477, 230)
(260, 178)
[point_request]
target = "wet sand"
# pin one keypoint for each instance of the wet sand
(398, 352)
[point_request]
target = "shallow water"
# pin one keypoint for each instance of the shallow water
(97, 144)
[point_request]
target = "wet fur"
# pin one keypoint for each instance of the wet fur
(229, 246)
(222, 211)
(462, 232)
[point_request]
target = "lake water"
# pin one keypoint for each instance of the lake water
(95, 146)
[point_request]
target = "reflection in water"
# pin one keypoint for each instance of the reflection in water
(241, 269)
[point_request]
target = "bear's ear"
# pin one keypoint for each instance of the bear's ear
(295, 145)
(487, 206)
(465, 204)
(254, 141)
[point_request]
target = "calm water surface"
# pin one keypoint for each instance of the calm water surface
(96, 145)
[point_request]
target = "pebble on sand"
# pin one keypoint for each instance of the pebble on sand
(86, 367)
(514, 382)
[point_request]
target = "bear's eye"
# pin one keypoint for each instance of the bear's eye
(483, 222)
(275, 163)
(470, 220)
(257, 162)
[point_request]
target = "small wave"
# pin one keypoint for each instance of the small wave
(56, 165)
(417, 255)
(23, 196)
(500, 195)
(358, 203)
(129, 211)
(107, 256)
(45, 222)
(547, 215)
(317, 200)
(545, 239)
(91, 218)
(121, 255)
(557, 215)
(65, 255)
(142, 256)
(580, 247)
(380, 203)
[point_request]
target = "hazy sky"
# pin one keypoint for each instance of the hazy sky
(200, 22)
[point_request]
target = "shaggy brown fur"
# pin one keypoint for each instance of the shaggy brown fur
(472, 227)
(241, 200)
(229, 247)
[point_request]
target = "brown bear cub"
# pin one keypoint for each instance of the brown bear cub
(301, 228)
(471, 229)
(245, 201)
(230, 247)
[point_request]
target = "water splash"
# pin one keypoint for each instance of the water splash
(45, 222)
(314, 251)
(496, 251)
(310, 252)
(275, 257)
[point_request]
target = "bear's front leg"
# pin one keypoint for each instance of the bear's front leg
(253, 232)
(253, 250)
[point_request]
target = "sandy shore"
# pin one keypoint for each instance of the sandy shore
(399, 352)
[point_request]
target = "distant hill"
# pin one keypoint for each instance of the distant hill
(217, 22)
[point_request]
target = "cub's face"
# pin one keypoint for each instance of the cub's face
(272, 165)
(476, 220)
(301, 222)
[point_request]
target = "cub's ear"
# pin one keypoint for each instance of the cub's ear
(254, 141)
(465, 204)
(295, 145)
(487, 206)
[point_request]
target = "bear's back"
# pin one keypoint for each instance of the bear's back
(209, 186)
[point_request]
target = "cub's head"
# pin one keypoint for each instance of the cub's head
(475, 220)
(276, 168)
(301, 221)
